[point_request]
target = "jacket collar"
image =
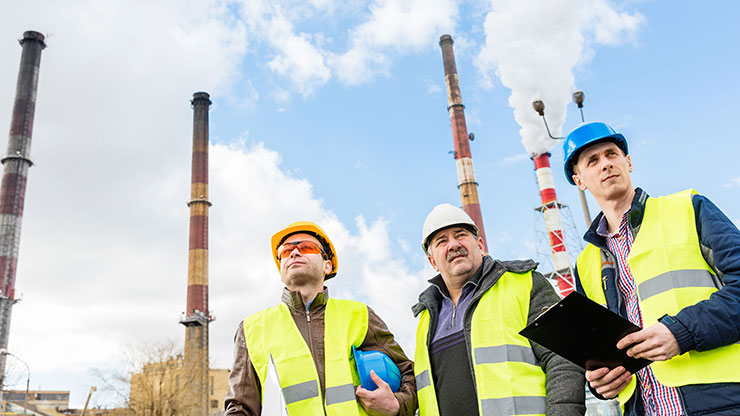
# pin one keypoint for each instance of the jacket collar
(439, 283)
(636, 213)
(433, 294)
(294, 300)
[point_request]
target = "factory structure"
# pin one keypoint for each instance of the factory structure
(463, 159)
(16, 162)
(197, 317)
(551, 211)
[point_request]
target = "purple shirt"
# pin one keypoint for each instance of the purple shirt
(450, 318)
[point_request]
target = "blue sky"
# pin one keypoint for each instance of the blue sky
(329, 111)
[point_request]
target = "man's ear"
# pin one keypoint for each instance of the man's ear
(629, 163)
(579, 183)
(433, 262)
(327, 266)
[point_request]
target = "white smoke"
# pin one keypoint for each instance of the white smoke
(533, 47)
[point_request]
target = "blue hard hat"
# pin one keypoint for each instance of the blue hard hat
(585, 135)
(383, 366)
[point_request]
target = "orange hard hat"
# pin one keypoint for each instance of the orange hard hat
(309, 228)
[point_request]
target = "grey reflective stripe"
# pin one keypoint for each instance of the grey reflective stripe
(301, 391)
(508, 406)
(339, 394)
(505, 353)
(674, 279)
(422, 380)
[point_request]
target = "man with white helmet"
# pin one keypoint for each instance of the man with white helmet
(671, 265)
(310, 338)
(470, 358)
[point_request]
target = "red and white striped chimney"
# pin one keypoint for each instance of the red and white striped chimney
(551, 210)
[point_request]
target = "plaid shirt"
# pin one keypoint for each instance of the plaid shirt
(659, 400)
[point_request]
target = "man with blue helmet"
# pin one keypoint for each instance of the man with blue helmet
(671, 265)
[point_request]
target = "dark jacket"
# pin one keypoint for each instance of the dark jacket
(564, 380)
(709, 324)
(243, 397)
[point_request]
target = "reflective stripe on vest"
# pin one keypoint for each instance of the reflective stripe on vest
(671, 274)
(508, 379)
(273, 332)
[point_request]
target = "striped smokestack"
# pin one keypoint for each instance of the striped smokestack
(197, 316)
(15, 170)
(465, 176)
(551, 210)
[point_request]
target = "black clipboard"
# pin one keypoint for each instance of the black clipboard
(585, 333)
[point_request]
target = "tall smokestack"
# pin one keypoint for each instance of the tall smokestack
(15, 170)
(465, 176)
(197, 316)
(550, 208)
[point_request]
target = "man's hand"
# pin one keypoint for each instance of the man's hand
(379, 402)
(655, 343)
(608, 383)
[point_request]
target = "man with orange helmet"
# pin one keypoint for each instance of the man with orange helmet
(310, 338)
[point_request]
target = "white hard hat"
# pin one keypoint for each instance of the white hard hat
(443, 216)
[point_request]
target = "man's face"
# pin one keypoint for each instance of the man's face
(299, 269)
(604, 170)
(456, 253)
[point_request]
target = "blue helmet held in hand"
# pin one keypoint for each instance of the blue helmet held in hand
(585, 135)
(383, 366)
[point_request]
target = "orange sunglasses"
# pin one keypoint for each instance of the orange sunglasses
(303, 246)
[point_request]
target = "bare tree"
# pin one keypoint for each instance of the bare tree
(151, 380)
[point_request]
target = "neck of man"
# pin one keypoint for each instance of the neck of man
(308, 292)
(614, 209)
(455, 285)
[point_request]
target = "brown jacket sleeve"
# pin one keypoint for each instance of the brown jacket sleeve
(243, 398)
(379, 338)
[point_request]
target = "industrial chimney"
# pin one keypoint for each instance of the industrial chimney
(197, 317)
(465, 176)
(15, 170)
(551, 209)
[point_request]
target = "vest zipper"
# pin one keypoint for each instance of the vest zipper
(310, 347)
(310, 338)
(454, 310)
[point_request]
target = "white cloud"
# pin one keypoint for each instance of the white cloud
(296, 57)
(734, 183)
(557, 36)
(393, 27)
(310, 58)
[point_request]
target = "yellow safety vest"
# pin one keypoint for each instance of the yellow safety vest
(670, 274)
(508, 379)
(273, 332)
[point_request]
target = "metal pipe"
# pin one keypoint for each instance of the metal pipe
(465, 175)
(15, 171)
